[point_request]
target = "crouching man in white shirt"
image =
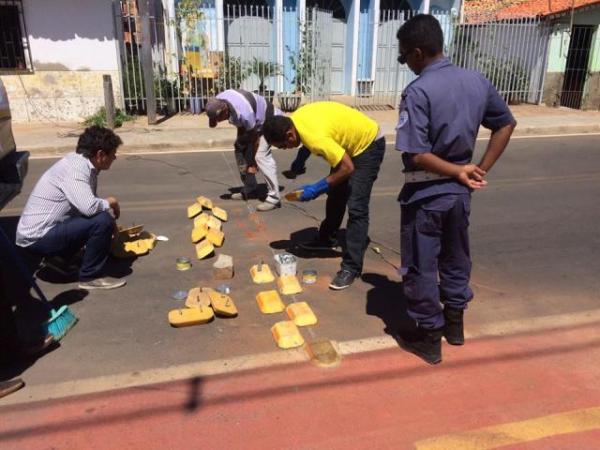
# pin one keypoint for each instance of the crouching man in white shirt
(63, 213)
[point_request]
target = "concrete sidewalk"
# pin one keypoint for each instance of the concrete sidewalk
(191, 132)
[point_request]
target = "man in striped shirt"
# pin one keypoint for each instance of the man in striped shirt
(248, 112)
(63, 213)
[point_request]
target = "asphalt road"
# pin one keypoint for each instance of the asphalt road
(534, 239)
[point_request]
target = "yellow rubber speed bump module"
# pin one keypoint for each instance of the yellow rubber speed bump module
(286, 335)
(289, 285)
(205, 202)
(261, 273)
(220, 213)
(204, 248)
(199, 233)
(213, 223)
(301, 314)
(269, 302)
(201, 220)
(194, 210)
(197, 298)
(222, 304)
(215, 237)
(190, 316)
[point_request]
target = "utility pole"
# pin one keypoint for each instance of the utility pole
(147, 66)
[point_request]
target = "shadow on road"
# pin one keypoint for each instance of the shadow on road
(386, 301)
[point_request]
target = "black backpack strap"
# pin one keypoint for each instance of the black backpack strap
(270, 110)
(249, 97)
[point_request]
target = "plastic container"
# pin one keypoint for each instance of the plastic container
(285, 264)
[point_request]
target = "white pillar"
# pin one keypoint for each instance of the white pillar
(279, 41)
(355, 18)
(376, 14)
(426, 6)
(220, 26)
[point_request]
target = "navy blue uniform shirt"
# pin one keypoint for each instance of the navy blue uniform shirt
(440, 112)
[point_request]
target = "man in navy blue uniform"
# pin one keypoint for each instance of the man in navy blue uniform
(440, 115)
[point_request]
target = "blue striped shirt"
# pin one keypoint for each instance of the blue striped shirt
(241, 113)
(65, 190)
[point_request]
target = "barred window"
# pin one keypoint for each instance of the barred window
(14, 48)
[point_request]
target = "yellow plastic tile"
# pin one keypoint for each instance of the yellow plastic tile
(301, 314)
(204, 248)
(201, 220)
(261, 273)
(205, 202)
(286, 335)
(148, 238)
(199, 233)
(214, 223)
(194, 210)
(190, 316)
(222, 304)
(197, 298)
(269, 302)
(138, 248)
(220, 213)
(289, 285)
(215, 237)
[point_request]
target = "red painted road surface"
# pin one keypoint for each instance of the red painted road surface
(377, 400)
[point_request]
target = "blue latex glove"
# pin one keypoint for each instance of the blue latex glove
(312, 191)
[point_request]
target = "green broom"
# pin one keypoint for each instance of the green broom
(60, 320)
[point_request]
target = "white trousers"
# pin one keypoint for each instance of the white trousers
(267, 165)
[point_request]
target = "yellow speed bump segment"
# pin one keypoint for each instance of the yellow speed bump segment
(193, 210)
(301, 314)
(220, 213)
(323, 353)
(222, 304)
(205, 202)
(196, 298)
(201, 220)
(215, 237)
(269, 302)
(186, 317)
(289, 285)
(213, 223)
(204, 248)
(199, 233)
(261, 273)
(286, 335)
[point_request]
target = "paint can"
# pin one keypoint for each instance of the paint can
(183, 263)
(309, 276)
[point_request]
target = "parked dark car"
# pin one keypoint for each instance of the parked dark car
(13, 164)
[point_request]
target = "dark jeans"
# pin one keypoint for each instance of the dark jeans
(354, 193)
(244, 150)
(67, 238)
(434, 242)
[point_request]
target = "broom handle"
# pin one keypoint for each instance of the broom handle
(10, 249)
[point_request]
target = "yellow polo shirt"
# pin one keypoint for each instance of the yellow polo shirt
(330, 129)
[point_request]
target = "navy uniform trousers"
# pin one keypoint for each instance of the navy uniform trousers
(435, 243)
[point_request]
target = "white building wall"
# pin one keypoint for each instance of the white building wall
(72, 45)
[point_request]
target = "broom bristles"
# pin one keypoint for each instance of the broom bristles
(60, 322)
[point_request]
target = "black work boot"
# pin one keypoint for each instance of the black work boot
(453, 329)
(426, 344)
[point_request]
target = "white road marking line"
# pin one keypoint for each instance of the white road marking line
(262, 360)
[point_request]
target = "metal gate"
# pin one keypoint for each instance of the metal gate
(202, 52)
(338, 59)
(511, 53)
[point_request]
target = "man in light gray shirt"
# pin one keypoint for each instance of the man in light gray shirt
(248, 112)
(63, 213)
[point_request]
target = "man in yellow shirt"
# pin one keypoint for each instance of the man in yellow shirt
(353, 146)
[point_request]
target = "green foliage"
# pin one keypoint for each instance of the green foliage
(303, 63)
(232, 74)
(99, 118)
(262, 69)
